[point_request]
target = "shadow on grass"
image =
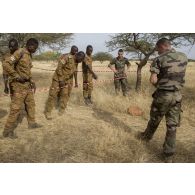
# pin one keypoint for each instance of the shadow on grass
(109, 118)
(2, 113)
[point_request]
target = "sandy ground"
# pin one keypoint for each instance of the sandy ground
(102, 133)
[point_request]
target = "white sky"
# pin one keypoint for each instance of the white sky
(97, 40)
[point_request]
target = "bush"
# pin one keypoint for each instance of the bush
(47, 56)
(102, 56)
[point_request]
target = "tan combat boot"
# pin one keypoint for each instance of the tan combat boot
(34, 125)
(61, 112)
(48, 115)
(8, 133)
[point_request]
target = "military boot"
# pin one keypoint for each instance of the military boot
(168, 157)
(48, 115)
(34, 125)
(8, 133)
(142, 136)
(61, 112)
(89, 100)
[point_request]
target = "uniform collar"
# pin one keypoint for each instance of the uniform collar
(119, 59)
(88, 55)
(169, 51)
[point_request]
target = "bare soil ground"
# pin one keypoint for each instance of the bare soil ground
(102, 133)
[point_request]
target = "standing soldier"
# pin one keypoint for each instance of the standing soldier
(62, 82)
(18, 67)
(13, 46)
(167, 74)
(73, 51)
(117, 65)
(88, 75)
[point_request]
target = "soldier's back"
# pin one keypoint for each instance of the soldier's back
(172, 67)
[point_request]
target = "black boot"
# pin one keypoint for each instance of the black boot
(90, 101)
(143, 137)
(34, 126)
(9, 134)
(168, 157)
(86, 100)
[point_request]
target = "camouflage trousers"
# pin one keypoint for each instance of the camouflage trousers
(121, 84)
(166, 104)
(22, 113)
(87, 85)
(62, 95)
(22, 98)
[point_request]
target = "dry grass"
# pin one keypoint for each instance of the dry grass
(104, 133)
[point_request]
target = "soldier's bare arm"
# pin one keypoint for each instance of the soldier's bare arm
(155, 70)
(153, 78)
(112, 67)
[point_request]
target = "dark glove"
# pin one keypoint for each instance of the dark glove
(61, 84)
(6, 90)
(33, 86)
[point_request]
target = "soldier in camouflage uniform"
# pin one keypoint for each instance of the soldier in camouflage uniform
(73, 51)
(13, 46)
(167, 74)
(62, 82)
(18, 67)
(88, 75)
(117, 65)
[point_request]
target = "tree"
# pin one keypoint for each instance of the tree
(102, 56)
(55, 41)
(142, 45)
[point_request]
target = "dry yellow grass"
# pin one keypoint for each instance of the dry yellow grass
(104, 133)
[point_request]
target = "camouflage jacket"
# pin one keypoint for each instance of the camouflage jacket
(120, 65)
(66, 68)
(170, 68)
(4, 58)
(87, 61)
(19, 64)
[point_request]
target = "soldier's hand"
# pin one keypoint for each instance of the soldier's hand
(6, 90)
(95, 76)
(116, 73)
(21, 80)
(61, 84)
(33, 86)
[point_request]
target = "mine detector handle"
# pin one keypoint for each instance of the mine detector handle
(91, 71)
